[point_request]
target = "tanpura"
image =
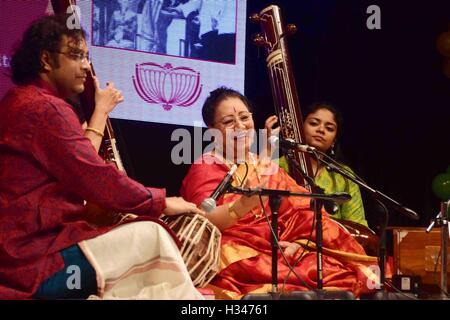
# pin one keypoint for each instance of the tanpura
(287, 107)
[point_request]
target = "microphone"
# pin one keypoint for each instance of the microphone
(340, 197)
(332, 205)
(290, 144)
(209, 204)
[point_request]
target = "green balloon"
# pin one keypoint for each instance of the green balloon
(441, 186)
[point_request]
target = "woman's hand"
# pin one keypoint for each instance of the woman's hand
(270, 122)
(106, 99)
(177, 205)
(271, 131)
(290, 248)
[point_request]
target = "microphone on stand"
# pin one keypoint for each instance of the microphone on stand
(290, 144)
(331, 205)
(209, 204)
(337, 198)
(340, 197)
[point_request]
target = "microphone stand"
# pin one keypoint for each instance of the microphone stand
(274, 203)
(379, 196)
(317, 207)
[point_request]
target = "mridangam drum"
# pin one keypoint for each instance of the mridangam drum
(201, 246)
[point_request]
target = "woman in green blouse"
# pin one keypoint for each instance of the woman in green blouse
(323, 127)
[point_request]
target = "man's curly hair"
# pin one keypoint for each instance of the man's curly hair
(43, 34)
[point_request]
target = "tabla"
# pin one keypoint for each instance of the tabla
(200, 246)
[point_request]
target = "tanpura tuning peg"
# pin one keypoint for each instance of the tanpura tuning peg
(259, 40)
(291, 29)
(255, 18)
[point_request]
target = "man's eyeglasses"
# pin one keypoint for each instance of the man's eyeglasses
(77, 56)
(229, 121)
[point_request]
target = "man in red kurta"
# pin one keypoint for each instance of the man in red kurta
(48, 167)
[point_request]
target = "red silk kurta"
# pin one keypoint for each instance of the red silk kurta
(47, 169)
(246, 246)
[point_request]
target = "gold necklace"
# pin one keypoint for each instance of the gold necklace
(242, 179)
(254, 164)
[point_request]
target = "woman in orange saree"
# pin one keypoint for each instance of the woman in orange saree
(246, 236)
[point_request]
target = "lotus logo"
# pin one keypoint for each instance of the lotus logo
(167, 85)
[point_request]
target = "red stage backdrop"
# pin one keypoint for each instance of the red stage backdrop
(15, 17)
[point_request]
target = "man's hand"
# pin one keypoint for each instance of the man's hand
(106, 99)
(177, 205)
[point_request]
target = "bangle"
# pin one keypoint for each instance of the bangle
(98, 132)
(233, 212)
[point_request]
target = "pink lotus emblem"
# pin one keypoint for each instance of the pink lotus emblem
(167, 85)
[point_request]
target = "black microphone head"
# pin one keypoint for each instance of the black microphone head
(274, 141)
(288, 143)
(284, 144)
(341, 197)
(330, 207)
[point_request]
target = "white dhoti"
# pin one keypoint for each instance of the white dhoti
(139, 260)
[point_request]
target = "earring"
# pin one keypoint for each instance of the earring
(332, 152)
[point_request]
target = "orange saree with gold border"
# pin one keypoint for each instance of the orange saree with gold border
(246, 246)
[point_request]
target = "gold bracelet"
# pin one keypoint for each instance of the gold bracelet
(233, 212)
(98, 132)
